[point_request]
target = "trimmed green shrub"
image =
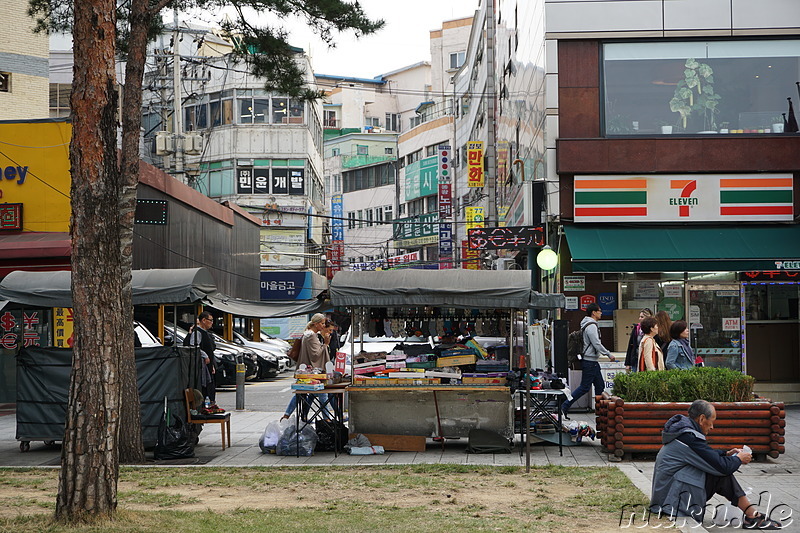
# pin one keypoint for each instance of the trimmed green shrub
(705, 383)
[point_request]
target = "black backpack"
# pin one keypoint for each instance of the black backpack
(575, 346)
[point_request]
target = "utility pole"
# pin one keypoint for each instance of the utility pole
(491, 123)
(176, 82)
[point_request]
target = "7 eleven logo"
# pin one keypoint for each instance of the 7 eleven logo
(687, 187)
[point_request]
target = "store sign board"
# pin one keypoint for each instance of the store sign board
(607, 302)
(587, 299)
(574, 283)
(474, 217)
(337, 222)
(445, 201)
(35, 176)
(572, 303)
(470, 259)
(445, 162)
(770, 275)
(475, 173)
(445, 246)
(11, 217)
(421, 179)
(684, 198)
(277, 285)
(508, 238)
(417, 227)
(62, 327)
(282, 247)
(731, 324)
(402, 259)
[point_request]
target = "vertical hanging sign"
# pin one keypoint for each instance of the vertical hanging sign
(475, 176)
(445, 207)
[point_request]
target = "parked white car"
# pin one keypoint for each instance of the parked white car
(273, 348)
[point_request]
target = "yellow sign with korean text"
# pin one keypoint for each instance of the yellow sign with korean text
(475, 217)
(475, 174)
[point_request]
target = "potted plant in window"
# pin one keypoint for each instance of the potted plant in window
(666, 127)
(695, 96)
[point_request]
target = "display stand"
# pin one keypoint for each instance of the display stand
(452, 410)
(311, 406)
(543, 403)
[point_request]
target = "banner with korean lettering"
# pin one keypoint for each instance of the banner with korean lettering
(337, 220)
(475, 174)
(470, 259)
(445, 201)
(445, 246)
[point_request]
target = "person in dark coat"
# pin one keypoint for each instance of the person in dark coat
(688, 472)
(632, 355)
(199, 337)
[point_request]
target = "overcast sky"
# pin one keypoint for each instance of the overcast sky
(404, 40)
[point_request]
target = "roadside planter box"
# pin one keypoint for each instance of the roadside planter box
(632, 427)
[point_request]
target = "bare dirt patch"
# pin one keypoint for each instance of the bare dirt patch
(590, 498)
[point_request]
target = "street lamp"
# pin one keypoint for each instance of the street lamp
(547, 259)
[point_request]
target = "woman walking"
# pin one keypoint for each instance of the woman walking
(650, 355)
(664, 323)
(632, 355)
(679, 352)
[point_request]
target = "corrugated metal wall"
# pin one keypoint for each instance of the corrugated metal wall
(192, 238)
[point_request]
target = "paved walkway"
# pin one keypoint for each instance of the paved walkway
(779, 477)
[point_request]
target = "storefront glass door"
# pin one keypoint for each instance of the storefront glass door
(715, 321)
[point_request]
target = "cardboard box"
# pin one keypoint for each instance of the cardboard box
(483, 381)
(456, 360)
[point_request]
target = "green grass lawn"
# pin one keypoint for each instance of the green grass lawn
(331, 499)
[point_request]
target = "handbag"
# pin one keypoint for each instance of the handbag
(294, 351)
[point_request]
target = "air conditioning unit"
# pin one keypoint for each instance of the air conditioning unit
(164, 143)
(193, 143)
(504, 263)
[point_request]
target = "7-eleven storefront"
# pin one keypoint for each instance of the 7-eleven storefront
(720, 251)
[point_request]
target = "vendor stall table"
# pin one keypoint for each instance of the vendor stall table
(430, 411)
(315, 405)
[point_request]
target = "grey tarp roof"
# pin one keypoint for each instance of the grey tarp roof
(473, 289)
(264, 308)
(155, 286)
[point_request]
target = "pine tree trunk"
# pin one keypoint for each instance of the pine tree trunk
(89, 459)
(131, 448)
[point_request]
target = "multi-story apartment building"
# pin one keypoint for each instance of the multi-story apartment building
(23, 65)
(419, 229)
(240, 143)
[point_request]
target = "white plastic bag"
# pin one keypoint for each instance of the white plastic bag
(273, 432)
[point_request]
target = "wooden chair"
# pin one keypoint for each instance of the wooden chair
(224, 420)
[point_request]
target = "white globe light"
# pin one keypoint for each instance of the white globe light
(547, 259)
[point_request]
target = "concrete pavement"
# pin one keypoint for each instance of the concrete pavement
(778, 477)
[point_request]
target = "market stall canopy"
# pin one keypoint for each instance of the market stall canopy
(264, 308)
(471, 289)
(682, 249)
(156, 286)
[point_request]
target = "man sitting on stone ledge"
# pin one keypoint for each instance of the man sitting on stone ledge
(688, 472)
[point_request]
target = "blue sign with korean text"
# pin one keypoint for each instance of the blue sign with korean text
(286, 285)
(337, 222)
